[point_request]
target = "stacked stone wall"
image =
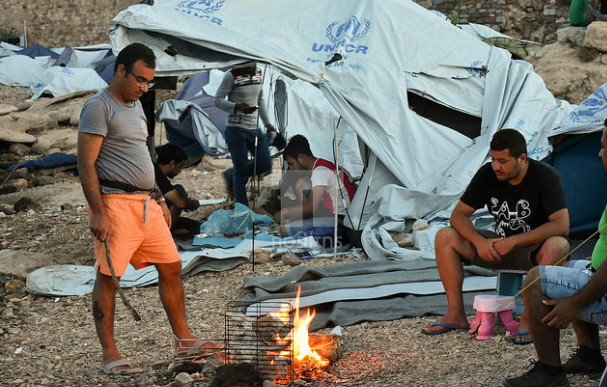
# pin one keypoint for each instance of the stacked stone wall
(57, 23)
(535, 20)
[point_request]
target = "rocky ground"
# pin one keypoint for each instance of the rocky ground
(46, 341)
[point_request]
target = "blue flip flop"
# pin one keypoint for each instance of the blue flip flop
(518, 339)
(446, 328)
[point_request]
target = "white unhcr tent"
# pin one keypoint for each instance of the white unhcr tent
(392, 53)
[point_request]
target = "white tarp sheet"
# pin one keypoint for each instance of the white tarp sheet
(58, 81)
(20, 70)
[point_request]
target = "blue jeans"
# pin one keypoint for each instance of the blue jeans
(240, 143)
(563, 282)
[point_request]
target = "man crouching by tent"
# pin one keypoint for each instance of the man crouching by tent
(170, 160)
(322, 196)
(130, 226)
(527, 201)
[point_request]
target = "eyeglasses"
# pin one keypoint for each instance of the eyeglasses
(141, 81)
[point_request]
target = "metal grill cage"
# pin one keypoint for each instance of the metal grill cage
(261, 334)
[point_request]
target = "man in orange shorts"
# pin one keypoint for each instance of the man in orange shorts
(117, 177)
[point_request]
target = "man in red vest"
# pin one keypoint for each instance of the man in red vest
(325, 195)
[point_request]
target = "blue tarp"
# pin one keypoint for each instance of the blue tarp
(37, 50)
(50, 161)
(584, 178)
(191, 119)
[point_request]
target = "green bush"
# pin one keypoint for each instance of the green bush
(9, 36)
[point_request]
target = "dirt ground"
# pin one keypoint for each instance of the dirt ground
(47, 341)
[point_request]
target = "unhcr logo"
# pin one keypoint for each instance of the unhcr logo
(201, 9)
(344, 37)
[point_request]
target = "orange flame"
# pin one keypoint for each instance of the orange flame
(305, 357)
(301, 348)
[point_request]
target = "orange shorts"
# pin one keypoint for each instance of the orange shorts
(138, 234)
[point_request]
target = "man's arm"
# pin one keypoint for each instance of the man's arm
(184, 203)
(225, 87)
(566, 310)
(89, 146)
(557, 225)
(460, 221)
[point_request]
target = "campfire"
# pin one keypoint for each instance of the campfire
(275, 338)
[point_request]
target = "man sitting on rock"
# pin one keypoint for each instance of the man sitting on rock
(169, 162)
(527, 201)
(557, 296)
(322, 196)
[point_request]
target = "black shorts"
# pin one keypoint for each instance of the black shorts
(521, 258)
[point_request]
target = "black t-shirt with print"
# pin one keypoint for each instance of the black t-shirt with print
(517, 208)
(162, 181)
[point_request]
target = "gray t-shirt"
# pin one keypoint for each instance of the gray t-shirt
(124, 155)
(241, 88)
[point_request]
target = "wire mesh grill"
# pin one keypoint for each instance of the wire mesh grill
(261, 334)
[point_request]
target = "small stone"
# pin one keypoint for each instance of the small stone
(14, 284)
(267, 383)
(24, 204)
(50, 151)
(40, 181)
(183, 379)
(18, 149)
(211, 364)
(419, 225)
(42, 145)
(8, 313)
(19, 183)
(290, 259)
(509, 357)
(260, 256)
(43, 364)
(403, 240)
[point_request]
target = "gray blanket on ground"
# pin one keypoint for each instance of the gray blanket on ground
(370, 290)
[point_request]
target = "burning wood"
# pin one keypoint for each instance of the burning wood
(278, 343)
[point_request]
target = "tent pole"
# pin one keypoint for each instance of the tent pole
(24, 34)
(263, 78)
(335, 210)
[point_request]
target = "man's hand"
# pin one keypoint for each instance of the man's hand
(486, 250)
(100, 226)
(504, 246)
(271, 128)
(245, 108)
(166, 213)
(565, 311)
